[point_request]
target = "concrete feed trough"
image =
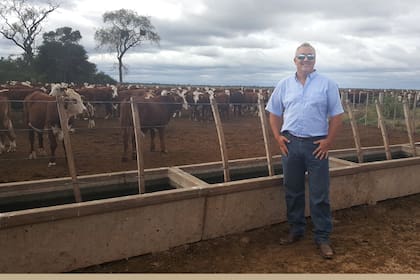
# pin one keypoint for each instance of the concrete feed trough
(43, 229)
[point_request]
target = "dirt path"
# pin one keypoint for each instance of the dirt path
(384, 238)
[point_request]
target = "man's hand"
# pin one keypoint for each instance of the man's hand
(321, 152)
(281, 140)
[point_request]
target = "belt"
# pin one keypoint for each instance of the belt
(308, 139)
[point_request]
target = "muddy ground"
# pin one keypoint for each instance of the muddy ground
(384, 238)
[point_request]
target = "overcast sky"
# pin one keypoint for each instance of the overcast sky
(359, 43)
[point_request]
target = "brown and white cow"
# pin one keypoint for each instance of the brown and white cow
(41, 114)
(6, 126)
(155, 113)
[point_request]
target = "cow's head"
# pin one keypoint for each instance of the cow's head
(57, 90)
(114, 91)
(182, 94)
(73, 103)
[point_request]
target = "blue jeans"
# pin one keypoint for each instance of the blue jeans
(299, 160)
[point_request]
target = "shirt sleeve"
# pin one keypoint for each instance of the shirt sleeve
(334, 102)
(274, 104)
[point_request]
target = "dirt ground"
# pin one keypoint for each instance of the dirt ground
(384, 238)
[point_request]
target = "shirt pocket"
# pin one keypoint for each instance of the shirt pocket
(291, 99)
(317, 101)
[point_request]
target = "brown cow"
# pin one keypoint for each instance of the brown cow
(237, 99)
(155, 113)
(6, 126)
(222, 97)
(41, 114)
(17, 94)
(251, 102)
(98, 96)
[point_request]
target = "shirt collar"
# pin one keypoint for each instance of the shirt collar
(310, 76)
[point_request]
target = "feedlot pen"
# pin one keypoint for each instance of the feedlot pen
(187, 207)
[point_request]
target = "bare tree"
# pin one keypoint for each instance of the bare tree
(21, 23)
(126, 30)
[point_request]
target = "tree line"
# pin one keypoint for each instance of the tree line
(60, 57)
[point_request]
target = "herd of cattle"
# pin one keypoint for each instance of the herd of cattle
(156, 106)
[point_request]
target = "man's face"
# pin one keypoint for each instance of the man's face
(305, 60)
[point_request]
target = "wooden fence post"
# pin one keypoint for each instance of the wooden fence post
(139, 150)
(266, 134)
(414, 113)
(409, 128)
(356, 136)
(367, 108)
(381, 123)
(64, 122)
(221, 137)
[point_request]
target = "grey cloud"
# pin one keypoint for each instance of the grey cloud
(359, 43)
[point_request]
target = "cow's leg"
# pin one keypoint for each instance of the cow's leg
(2, 143)
(70, 124)
(193, 115)
(125, 135)
(53, 147)
(108, 110)
(9, 134)
(209, 113)
(90, 115)
(162, 140)
(41, 150)
(196, 113)
(152, 140)
(32, 154)
(12, 137)
(115, 110)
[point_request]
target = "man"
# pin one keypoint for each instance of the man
(305, 116)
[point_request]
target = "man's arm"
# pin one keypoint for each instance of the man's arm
(275, 123)
(335, 125)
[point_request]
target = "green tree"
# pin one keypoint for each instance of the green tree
(61, 59)
(103, 79)
(126, 30)
(21, 23)
(15, 70)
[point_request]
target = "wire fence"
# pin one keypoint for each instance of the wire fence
(362, 104)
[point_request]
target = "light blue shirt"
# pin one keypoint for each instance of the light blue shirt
(305, 108)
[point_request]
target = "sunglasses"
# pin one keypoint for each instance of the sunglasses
(302, 56)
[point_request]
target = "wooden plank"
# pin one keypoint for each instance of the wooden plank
(381, 101)
(409, 128)
(267, 143)
(382, 125)
(366, 108)
(139, 145)
(355, 130)
(64, 122)
(413, 115)
(221, 137)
